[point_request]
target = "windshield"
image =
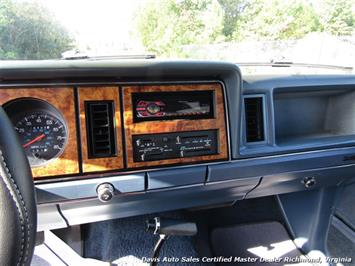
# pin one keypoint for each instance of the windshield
(244, 31)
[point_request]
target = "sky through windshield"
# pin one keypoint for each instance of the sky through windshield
(307, 31)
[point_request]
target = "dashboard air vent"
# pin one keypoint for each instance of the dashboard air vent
(100, 128)
(254, 119)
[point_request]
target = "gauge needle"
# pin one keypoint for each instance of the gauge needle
(33, 141)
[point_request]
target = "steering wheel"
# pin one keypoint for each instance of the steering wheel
(18, 214)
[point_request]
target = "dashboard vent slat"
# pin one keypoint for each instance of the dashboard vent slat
(100, 128)
(254, 119)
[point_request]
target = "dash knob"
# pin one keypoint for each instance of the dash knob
(105, 192)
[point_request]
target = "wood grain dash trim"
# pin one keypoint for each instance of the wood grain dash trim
(177, 125)
(100, 93)
(62, 98)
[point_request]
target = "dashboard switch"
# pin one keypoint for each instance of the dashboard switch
(105, 192)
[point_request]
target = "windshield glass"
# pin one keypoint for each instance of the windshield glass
(245, 31)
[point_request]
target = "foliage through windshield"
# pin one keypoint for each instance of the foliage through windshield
(312, 31)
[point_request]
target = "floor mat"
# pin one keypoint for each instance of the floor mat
(339, 241)
(125, 242)
(257, 243)
(345, 207)
(248, 211)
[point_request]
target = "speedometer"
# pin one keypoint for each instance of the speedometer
(42, 135)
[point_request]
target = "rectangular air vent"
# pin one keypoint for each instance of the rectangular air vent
(254, 119)
(100, 128)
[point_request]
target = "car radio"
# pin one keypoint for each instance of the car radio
(171, 124)
(153, 147)
(150, 106)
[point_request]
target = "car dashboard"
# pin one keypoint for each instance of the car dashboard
(111, 139)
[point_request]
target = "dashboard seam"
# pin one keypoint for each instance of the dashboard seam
(78, 129)
(255, 187)
(123, 132)
(62, 215)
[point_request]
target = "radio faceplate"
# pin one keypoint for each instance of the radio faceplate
(208, 102)
(154, 147)
(148, 106)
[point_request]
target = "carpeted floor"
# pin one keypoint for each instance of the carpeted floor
(345, 209)
(125, 242)
(341, 235)
(243, 212)
(258, 243)
(339, 244)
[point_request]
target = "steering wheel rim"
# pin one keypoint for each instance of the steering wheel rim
(18, 222)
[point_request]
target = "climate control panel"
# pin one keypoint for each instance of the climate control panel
(154, 147)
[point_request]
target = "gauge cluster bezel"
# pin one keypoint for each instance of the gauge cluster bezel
(21, 107)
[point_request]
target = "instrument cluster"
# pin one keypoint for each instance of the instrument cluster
(41, 128)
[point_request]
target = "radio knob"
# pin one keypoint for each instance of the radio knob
(153, 109)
